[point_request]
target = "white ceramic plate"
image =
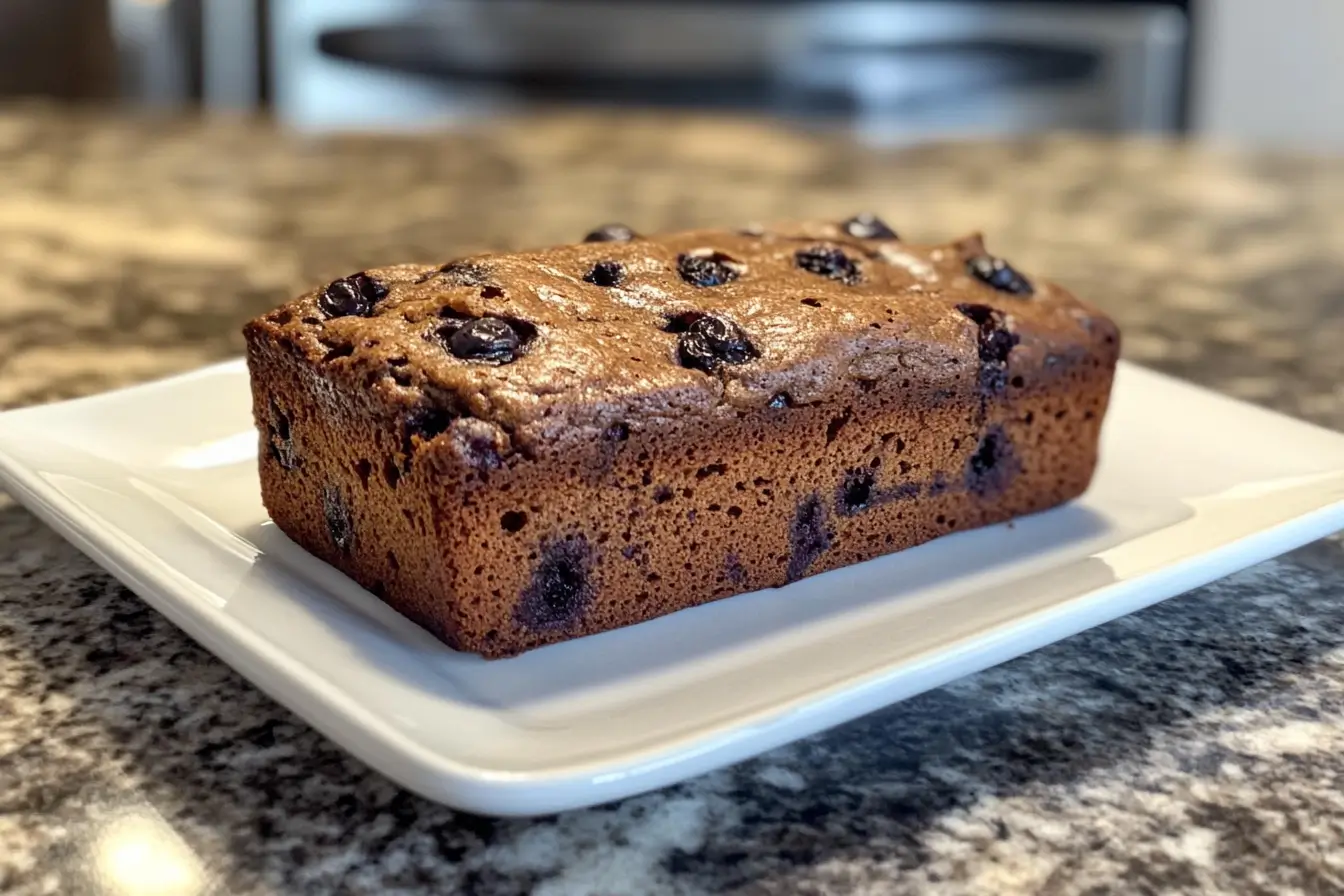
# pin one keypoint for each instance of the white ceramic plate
(157, 484)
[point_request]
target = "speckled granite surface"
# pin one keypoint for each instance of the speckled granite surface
(1197, 747)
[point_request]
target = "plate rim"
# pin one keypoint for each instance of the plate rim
(466, 785)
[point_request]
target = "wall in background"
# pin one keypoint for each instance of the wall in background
(1270, 72)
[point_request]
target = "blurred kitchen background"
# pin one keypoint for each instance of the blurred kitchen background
(1260, 71)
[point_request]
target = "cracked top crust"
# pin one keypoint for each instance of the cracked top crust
(597, 333)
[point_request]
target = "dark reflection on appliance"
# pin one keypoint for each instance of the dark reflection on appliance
(900, 67)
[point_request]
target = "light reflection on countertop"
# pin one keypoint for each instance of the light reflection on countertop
(136, 853)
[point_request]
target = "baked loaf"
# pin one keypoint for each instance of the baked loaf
(518, 449)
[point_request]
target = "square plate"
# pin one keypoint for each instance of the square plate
(158, 485)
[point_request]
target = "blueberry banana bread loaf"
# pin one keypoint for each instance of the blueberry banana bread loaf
(518, 449)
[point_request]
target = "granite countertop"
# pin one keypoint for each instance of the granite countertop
(1195, 747)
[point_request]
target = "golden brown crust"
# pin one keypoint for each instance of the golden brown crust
(597, 480)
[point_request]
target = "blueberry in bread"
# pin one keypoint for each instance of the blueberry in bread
(518, 449)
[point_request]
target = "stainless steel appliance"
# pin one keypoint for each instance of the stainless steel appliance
(890, 68)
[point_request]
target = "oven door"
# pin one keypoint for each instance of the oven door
(892, 68)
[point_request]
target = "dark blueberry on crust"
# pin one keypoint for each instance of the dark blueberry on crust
(611, 233)
(858, 491)
(353, 295)
(710, 342)
(809, 536)
(606, 273)
(868, 226)
(423, 424)
(488, 339)
(560, 589)
(994, 344)
(828, 262)
(681, 321)
(706, 269)
(779, 401)
(999, 274)
(993, 465)
(340, 527)
(281, 439)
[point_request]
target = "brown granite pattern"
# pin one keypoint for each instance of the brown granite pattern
(1195, 747)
